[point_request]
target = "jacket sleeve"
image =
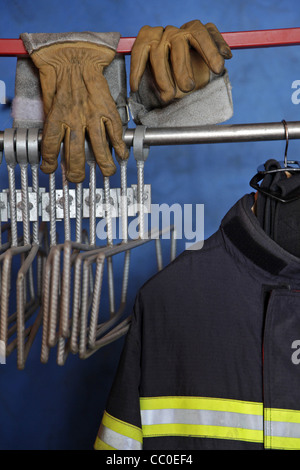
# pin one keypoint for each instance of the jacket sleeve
(120, 428)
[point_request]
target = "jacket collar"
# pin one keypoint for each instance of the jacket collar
(242, 231)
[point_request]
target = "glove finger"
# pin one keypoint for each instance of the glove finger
(222, 45)
(74, 154)
(139, 59)
(146, 38)
(161, 69)
(53, 134)
(114, 128)
(181, 65)
(97, 134)
(199, 38)
(115, 132)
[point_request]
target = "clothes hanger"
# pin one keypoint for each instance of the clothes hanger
(273, 166)
(277, 200)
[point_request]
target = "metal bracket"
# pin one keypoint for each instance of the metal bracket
(41, 209)
(140, 151)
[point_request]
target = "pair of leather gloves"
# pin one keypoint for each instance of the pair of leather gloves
(77, 99)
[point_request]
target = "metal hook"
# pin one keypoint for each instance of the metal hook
(287, 142)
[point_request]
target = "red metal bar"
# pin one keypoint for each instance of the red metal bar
(236, 40)
(263, 38)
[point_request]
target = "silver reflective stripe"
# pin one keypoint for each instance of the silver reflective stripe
(203, 417)
(282, 429)
(118, 441)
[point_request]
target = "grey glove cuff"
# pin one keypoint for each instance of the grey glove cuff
(209, 105)
(34, 41)
(27, 106)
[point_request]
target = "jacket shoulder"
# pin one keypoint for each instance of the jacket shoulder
(193, 263)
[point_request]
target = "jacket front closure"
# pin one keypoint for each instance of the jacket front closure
(281, 370)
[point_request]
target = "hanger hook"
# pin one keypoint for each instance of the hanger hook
(286, 140)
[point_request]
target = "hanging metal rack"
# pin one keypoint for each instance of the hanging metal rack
(79, 328)
(237, 40)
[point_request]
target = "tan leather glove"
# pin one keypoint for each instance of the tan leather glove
(77, 100)
(180, 58)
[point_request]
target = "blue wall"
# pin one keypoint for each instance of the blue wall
(52, 407)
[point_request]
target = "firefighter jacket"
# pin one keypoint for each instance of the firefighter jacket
(212, 357)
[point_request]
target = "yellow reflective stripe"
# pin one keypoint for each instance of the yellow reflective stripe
(203, 417)
(198, 430)
(218, 418)
(121, 427)
(267, 443)
(100, 445)
(202, 403)
(282, 429)
(282, 443)
(289, 416)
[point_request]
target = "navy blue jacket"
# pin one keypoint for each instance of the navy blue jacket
(212, 357)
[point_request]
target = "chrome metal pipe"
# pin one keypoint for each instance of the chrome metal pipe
(220, 133)
(217, 133)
